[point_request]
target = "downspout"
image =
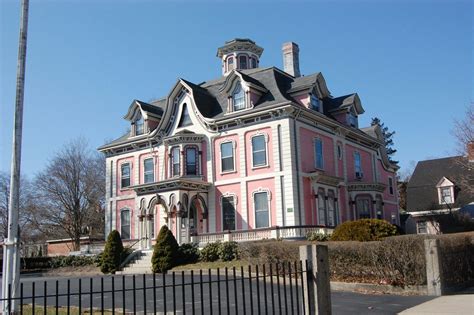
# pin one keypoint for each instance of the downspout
(297, 166)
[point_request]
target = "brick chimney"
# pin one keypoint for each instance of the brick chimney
(470, 151)
(291, 59)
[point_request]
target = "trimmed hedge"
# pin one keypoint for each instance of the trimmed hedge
(188, 253)
(364, 230)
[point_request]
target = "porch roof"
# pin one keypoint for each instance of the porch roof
(180, 183)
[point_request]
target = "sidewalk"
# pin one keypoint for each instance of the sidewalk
(462, 304)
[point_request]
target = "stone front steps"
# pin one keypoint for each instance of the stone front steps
(139, 266)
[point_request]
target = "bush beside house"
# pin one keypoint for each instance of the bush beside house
(364, 230)
(113, 253)
(165, 253)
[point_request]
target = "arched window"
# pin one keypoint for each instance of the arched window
(230, 63)
(139, 125)
(242, 62)
(321, 207)
(125, 224)
(238, 98)
(253, 63)
(191, 161)
(175, 161)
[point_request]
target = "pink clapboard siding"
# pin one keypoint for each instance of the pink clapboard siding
(223, 190)
(255, 186)
(130, 205)
(383, 178)
(366, 162)
(308, 153)
(217, 157)
(302, 99)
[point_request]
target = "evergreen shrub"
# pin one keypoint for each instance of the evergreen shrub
(210, 252)
(228, 251)
(188, 253)
(165, 253)
(113, 253)
(364, 230)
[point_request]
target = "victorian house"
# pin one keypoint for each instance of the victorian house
(257, 153)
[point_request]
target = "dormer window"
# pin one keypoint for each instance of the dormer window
(238, 98)
(139, 125)
(446, 196)
(314, 102)
(242, 62)
(445, 191)
(353, 120)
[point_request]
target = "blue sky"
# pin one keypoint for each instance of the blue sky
(410, 61)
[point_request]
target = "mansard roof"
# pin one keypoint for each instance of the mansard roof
(146, 108)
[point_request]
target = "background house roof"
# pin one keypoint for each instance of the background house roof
(422, 193)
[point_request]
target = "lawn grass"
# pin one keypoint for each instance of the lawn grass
(62, 310)
(211, 265)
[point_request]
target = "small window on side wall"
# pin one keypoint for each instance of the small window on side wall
(259, 151)
(125, 175)
(227, 157)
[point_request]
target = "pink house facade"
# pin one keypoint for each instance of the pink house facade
(257, 153)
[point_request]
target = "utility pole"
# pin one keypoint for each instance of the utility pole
(11, 259)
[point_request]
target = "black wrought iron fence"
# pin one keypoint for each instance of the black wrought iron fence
(265, 289)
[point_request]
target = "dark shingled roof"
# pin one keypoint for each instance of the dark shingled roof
(151, 108)
(331, 104)
(422, 193)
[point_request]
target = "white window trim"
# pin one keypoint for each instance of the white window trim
(440, 194)
(318, 190)
(129, 218)
(339, 150)
(130, 176)
(221, 203)
(315, 155)
(269, 198)
(152, 170)
(172, 175)
(239, 84)
(234, 146)
(266, 137)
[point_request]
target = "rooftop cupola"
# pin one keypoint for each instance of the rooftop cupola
(239, 53)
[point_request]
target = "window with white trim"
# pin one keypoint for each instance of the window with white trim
(191, 161)
(357, 165)
(379, 207)
(446, 196)
(353, 120)
(125, 175)
(228, 213)
(175, 161)
(259, 151)
(318, 153)
(148, 171)
(339, 152)
(238, 98)
(243, 62)
(390, 185)
(363, 208)
(321, 207)
(125, 224)
(185, 119)
(262, 218)
(421, 227)
(227, 156)
(230, 63)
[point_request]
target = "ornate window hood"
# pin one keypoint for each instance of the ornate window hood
(184, 137)
(360, 186)
(172, 184)
(322, 178)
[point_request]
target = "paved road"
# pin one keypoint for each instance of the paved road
(221, 292)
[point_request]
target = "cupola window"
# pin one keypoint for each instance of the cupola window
(238, 98)
(253, 63)
(242, 62)
(230, 63)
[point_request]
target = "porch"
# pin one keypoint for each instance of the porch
(274, 232)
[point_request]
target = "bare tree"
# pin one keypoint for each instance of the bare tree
(463, 132)
(26, 207)
(71, 191)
